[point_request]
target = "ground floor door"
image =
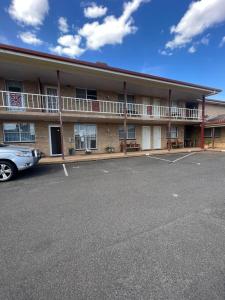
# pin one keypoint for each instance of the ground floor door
(146, 137)
(55, 140)
(157, 137)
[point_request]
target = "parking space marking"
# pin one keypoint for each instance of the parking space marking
(180, 158)
(65, 170)
(163, 159)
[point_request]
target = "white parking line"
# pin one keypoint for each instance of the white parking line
(180, 158)
(163, 159)
(65, 170)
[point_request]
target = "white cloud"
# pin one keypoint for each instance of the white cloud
(68, 45)
(29, 38)
(63, 25)
(95, 11)
(97, 34)
(192, 49)
(222, 42)
(112, 30)
(28, 12)
(200, 16)
(165, 52)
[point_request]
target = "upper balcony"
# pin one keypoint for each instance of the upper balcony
(37, 105)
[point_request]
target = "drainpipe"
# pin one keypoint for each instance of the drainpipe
(169, 124)
(60, 114)
(125, 118)
(203, 123)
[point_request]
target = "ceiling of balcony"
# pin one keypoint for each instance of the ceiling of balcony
(23, 68)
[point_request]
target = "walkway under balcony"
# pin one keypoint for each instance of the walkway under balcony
(28, 106)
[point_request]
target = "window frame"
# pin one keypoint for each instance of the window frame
(96, 134)
(20, 132)
(121, 137)
(210, 136)
(171, 131)
(86, 93)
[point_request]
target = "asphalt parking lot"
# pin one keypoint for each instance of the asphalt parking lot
(136, 228)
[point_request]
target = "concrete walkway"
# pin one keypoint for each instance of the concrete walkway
(91, 157)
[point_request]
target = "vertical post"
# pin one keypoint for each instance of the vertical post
(60, 115)
(40, 91)
(203, 123)
(125, 118)
(169, 124)
(213, 137)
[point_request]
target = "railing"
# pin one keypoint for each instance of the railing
(14, 101)
(18, 102)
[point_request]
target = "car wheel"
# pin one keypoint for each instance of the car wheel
(7, 170)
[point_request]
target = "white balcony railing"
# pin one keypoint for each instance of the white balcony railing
(18, 102)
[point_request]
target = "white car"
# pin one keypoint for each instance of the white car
(16, 158)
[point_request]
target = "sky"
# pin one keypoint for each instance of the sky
(183, 40)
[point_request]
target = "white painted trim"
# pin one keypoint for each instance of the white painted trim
(212, 92)
(50, 138)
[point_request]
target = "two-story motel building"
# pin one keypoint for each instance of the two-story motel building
(53, 102)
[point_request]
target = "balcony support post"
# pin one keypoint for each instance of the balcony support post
(203, 123)
(169, 124)
(41, 92)
(125, 118)
(60, 114)
(213, 137)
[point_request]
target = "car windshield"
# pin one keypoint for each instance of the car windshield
(3, 145)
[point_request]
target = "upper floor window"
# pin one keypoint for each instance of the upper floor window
(86, 94)
(130, 98)
(19, 132)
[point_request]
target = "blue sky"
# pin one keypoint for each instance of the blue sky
(183, 40)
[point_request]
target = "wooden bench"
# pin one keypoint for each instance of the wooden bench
(175, 143)
(132, 146)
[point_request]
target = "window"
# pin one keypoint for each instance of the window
(19, 132)
(173, 133)
(86, 94)
(130, 98)
(130, 132)
(208, 133)
(85, 136)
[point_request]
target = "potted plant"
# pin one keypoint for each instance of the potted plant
(110, 149)
(87, 151)
(207, 143)
(71, 151)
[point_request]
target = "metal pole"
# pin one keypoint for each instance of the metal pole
(169, 124)
(125, 118)
(60, 115)
(203, 123)
(213, 137)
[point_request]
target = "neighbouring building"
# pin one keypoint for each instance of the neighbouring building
(53, 102)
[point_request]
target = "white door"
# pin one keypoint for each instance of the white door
(156, 137)
(156, 108)
(146, 103)
(146, 137)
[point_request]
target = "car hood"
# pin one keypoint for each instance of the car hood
(16, 148)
